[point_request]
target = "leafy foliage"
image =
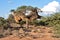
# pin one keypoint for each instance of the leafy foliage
(10, 19)
(2, 22)
(24, 8)
(53, 21)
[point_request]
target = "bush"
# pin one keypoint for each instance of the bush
(53, 21)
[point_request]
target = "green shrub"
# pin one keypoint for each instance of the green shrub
(53, 21)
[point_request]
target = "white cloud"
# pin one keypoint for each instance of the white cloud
(51, 7)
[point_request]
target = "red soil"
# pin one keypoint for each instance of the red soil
(46, 36)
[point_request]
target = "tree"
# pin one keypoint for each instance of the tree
(19, 14)
(24, 8)
(10, 19)
(12, 10)
(21, 8)
(2, 21)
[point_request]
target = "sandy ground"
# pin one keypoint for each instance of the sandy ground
(46, 36)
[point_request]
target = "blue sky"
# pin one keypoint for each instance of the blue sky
(7, 5)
